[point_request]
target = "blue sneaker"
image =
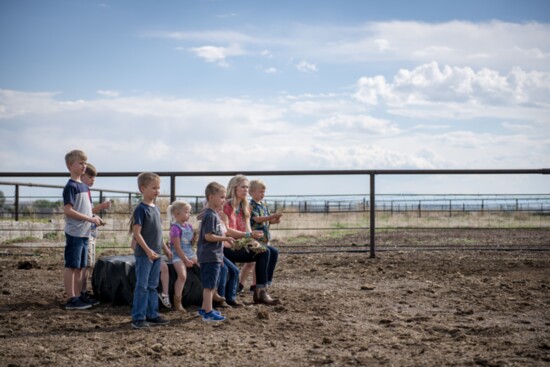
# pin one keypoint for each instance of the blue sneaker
(201, 312)
(213, 317)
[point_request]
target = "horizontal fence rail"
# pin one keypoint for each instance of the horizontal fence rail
(369, 204)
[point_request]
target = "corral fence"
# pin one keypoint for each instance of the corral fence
(392, 211)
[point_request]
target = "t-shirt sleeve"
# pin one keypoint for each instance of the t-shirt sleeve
(175, 232)
(69, 195)
(139, 216)
(209, 224)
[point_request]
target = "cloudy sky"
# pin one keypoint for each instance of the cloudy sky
(199, 85)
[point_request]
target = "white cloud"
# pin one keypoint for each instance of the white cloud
(494, 44)
(108, 93)
(357, 124)
(270, 70)
(306, 67)
(329, 132)
(218, 55)
(459, 92)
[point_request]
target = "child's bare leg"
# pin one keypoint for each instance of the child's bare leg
(86, 274)
(181, 270)
(164, 277)
(207, 295)
(68, 281)
(245, 272)
(77, 283)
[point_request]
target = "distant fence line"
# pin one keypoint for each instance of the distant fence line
(370, 173)
(28, 205)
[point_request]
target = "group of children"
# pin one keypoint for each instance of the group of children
(219, 276)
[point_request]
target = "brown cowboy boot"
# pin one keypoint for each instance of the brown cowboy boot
(261, 296)
(217, 298)
(177, 303)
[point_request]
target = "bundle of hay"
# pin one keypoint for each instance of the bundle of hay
(249, 244)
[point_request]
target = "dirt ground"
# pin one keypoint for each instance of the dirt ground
(402, 308)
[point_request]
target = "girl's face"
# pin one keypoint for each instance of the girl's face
(183, 215)
(241, 191)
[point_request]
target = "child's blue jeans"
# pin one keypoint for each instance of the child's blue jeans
(145, 304)
(229, 280)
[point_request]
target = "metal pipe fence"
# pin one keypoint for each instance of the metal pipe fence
(367, 204)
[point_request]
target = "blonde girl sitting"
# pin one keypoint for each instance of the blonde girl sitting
(181, 245)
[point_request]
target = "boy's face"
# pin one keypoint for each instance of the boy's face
(151, 191)
(78, 167)
(88, 179)
(258, 194)
(217, 200)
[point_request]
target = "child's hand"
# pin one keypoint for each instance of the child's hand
(230, 240)
(169, 254)
(106, 204)
(257, 235)
(188, 263)
(152, 255)
(96, 220)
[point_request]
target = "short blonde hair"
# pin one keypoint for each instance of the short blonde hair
(75, 155)
(213, 188)
(144, 179)
(257, 184)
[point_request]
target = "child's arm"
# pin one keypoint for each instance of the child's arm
(177, 246)
(69, 211)
(103, 206)
(167, 251)
(133, 243)
(238, 234)
(268, 218)
(211, 237)
(152, 255)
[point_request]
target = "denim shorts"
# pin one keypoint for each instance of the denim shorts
(76, 252)
(210, 274)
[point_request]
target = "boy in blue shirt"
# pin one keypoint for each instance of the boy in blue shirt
(78, 222)
(146, 228)
(210, 249)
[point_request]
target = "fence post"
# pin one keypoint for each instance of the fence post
(172, 188)
(16, 209)
(129, 203)
(372, 219)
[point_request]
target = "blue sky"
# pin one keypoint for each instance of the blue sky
(219, 85)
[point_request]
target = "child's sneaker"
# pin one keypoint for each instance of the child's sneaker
(201, 312)
(84, 297)
(212, 317)
(165, 300)
(157, 321)
(140, 324)
(76, 304)
(252, 288)
(240, 288)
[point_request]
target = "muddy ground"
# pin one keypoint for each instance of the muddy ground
(402, 308)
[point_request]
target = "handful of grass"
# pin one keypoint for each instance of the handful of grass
(249, 244)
